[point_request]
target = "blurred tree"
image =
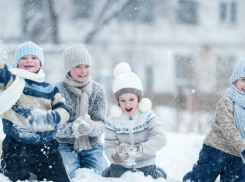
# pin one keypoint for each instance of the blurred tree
(103, 13)
(39, 21)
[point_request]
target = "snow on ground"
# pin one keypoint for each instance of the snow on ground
(176, 158)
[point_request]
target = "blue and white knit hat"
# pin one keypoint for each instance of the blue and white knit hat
(238, 72)
(28, 48)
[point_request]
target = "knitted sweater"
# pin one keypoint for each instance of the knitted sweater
(43, 96)
(141, 128)
(96, 110)
(223, 134)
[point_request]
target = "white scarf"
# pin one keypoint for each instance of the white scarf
(10, 96)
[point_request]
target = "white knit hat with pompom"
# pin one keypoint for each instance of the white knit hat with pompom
(128, 82)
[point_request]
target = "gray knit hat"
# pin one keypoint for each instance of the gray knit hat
(75, 55)
(238, 72)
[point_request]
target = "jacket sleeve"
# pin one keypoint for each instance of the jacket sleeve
(98, 113)
(111, 141)
(157, 137)
(59, 105)
(226, 120)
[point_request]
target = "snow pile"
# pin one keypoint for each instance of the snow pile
(87, 175)
(176, 159)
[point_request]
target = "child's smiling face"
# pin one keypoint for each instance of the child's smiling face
(30, 63)
(240, 83)
(80, 73)
(129, 103)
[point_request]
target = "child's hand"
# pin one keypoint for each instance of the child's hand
(131, 150)
(42, 120)
(83, 125)
(120, 158)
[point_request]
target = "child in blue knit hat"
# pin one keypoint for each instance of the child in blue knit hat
(31, 109)
(223, 151)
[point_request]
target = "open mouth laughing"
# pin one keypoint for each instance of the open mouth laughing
(129, 110)
(82, 76)
(29, 66)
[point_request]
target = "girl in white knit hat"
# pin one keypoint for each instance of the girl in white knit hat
(80, 138)
(133, 132)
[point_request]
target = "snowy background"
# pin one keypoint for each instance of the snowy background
(183, 51)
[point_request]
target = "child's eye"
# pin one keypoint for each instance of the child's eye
(122, 100)
(23, 58)
(131, 99)
(87, 66)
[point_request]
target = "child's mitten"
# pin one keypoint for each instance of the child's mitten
(83, 125)
(41, 120)
(120, 158)
(139, 150)
(131, 150)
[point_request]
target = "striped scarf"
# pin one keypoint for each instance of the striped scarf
(239, 109)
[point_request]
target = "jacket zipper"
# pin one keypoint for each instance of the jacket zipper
(132, 140)
(131, 132)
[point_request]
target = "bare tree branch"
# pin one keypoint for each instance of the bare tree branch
(105, 18)
(53, 22)
(102, 7)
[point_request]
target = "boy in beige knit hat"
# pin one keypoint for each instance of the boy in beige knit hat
(80, 138)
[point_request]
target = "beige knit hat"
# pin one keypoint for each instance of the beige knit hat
(75, 55)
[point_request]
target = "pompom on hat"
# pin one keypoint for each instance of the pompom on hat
(238, 72)
(28, 48)
(75, 55)
(127, 82)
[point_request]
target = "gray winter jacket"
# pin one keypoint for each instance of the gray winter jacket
(97, 111)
